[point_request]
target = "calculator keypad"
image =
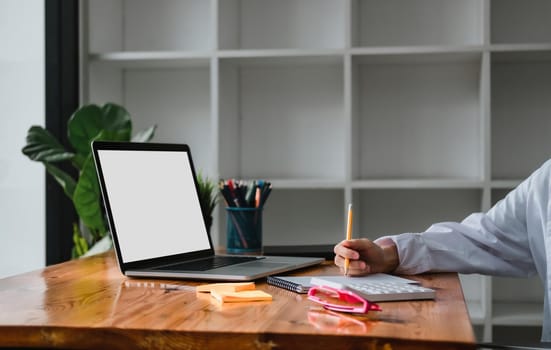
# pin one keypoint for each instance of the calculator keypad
(376, 291)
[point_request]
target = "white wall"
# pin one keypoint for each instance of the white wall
(22, 189)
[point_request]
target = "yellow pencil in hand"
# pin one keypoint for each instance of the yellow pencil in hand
(348, 237)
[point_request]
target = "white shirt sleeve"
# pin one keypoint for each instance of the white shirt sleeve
(475, 245)
(507, 240)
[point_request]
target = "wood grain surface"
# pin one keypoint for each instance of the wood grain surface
(89, 304)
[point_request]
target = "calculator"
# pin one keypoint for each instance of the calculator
(377, 291)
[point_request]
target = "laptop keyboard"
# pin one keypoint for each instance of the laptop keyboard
(208, 264)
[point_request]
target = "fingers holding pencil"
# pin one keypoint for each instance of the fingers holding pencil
(362, 256)
(365, 257)
(347, 258)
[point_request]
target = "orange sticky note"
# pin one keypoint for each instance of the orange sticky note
(225, 287)
(243, 296)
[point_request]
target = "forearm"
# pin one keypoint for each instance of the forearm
(391, 258)
(390, 254)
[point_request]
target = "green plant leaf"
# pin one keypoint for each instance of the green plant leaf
(42, 146)
(208, 194)
(108, 135)
(145, 135)
(83, 126)
(63, 179)
(116, 118)
(80, 246)
(87, 198)
(110, 122)
(88, 121)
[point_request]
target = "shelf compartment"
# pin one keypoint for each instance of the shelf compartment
(499, 193)
(517, 301)
(416, 23)
(303, 217)
(180, 107)
(417, 117)
(518, 336)
(282, 119)
(142, 25)
(520, 22)
(385, 212)
(508, 289)
(282, 24)
(105, 83)
(520, 88)
(518, 314)
(506, 185)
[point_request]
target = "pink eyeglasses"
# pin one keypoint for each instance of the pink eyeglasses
(341, 300)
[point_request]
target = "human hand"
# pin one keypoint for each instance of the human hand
(366, 257)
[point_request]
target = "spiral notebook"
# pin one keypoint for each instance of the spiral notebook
(297, 284)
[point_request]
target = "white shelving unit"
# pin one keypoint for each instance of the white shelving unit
(416, 111)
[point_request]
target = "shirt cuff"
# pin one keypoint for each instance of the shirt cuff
(412, 253)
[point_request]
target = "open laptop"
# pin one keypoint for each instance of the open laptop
(152, 204)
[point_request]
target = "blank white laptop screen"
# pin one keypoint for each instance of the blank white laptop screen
(150, 192)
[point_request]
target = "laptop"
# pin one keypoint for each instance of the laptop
(151, 200)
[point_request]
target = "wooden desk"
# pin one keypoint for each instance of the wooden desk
(88, 304)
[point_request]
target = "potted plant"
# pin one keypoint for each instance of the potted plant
(110, 122)
(208, 197)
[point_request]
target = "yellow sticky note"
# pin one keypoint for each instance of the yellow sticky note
(244, 296)
(225, 287)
